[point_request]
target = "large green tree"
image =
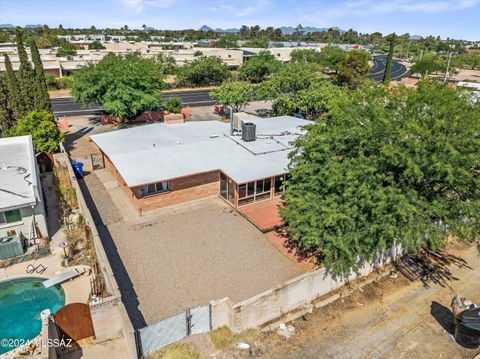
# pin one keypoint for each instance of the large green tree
(331, 57)
(124, 85)
(203, 71)
(42, 99)
(259, 67)
(354, 69)
(306, 56)
(290, 78)
(385, 167)
(310, 102)
(15, 98)
(26, 75)
(426, 64)
(236, 94)
(42, 127)
(6, 113)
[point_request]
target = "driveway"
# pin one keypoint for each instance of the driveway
(185, 256)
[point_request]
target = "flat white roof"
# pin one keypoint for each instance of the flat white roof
(159, 152)
(17, 172)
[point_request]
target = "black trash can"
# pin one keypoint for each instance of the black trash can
(467, 328)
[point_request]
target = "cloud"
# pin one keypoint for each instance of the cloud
(139, 5)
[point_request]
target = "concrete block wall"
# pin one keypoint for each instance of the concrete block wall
(289, 296)
(111, 309)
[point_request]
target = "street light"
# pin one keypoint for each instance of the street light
(448, 66)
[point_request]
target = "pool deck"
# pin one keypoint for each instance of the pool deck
(76, 290)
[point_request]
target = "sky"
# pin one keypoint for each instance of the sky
(459, 19)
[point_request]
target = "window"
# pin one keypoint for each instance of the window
(279, 185)
(10, 216)
(254, 191)
(157, 187)
(263, 189)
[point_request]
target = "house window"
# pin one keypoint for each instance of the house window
(279, 185)
(157, 187)
(254, 191)
(10, 216)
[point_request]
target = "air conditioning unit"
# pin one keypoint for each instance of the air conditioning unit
(249, 130)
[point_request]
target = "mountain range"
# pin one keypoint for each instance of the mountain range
(285, 29)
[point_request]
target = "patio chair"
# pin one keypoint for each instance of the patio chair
(30, 269)
(40, 269)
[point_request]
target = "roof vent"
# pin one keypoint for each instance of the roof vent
(249, 130)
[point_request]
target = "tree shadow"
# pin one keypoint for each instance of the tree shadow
(443, 316)
(431, 267)
(125, 285)
(292, 246)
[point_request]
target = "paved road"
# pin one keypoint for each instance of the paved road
(378, 69)
(64, 106)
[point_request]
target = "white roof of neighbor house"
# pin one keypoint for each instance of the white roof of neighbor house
(17, 172)
(157, 152)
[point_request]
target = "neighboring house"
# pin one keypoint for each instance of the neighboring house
(22, 212)
(160, 165)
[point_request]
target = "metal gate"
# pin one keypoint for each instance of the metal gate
(97, 161)
(170, 330)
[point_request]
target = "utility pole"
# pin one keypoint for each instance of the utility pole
(421, 56)
(448, 67)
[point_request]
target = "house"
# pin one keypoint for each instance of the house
(159, 165)
(22, 212)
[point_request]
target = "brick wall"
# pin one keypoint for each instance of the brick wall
(184, 189)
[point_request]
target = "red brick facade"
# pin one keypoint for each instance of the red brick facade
(183, 189)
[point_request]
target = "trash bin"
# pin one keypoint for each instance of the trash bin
(467, 328)
(77, 169)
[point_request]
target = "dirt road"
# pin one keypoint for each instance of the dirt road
(392, 319)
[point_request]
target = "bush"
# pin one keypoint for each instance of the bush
(173, 105)
(42, 127)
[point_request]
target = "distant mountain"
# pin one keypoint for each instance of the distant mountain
(6, 26)
(416, 37)
(205, 28)
(288, 30)
(32, 26)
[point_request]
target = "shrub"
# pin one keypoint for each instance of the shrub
(173, 105)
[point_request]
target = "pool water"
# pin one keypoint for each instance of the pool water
(21, 301)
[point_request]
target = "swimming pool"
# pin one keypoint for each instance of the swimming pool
(21, 301)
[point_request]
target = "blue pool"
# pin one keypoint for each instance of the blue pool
(21, 301)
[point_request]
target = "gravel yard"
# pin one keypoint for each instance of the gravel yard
(185, 257)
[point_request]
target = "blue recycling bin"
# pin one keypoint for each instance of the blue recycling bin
(298, 115)
(77, 169)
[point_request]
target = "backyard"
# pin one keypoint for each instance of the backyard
(184, 256)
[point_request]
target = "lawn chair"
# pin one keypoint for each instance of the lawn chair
(40, 269)
(30, 269)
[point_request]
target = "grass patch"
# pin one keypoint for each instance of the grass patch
(176, 351)
(223, 338)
